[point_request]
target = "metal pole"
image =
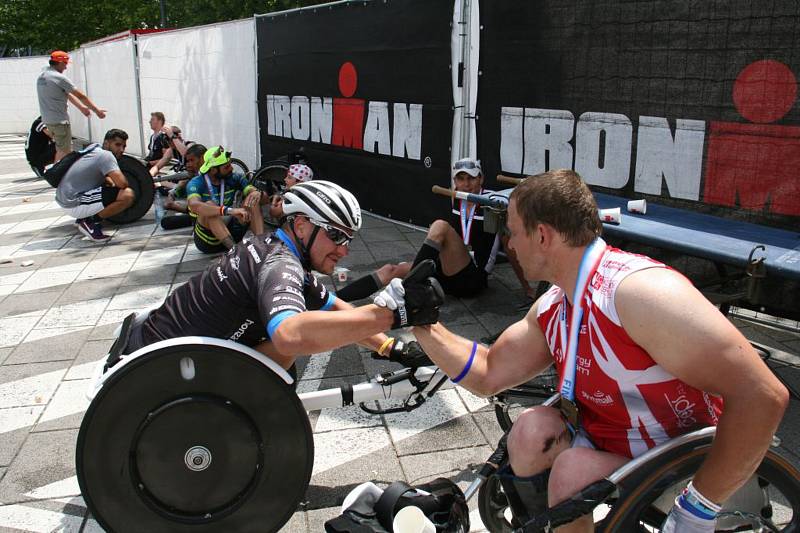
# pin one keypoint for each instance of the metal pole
(466, 88)
(137, 84)
(163, 6)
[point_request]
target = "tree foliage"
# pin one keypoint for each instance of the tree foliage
(45, 25)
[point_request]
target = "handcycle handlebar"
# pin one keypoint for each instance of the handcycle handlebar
(177, 176)
(492, 200)
(509, 179)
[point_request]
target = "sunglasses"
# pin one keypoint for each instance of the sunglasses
(465, 165)
(338, 236)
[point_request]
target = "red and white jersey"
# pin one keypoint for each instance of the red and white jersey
(627, 402)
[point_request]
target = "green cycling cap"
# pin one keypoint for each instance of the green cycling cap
(216, 156)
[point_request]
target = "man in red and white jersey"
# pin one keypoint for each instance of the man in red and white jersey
(653, 359)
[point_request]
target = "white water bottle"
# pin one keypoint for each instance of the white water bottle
(158, 205)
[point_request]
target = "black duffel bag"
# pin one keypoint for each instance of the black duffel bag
(56, 173)
(441, 500)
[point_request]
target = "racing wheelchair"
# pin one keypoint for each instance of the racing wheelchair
(203, 434)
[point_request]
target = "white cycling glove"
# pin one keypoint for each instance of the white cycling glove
(392, 296)
(692, 513)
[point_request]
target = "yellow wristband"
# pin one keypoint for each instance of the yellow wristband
(388, 342)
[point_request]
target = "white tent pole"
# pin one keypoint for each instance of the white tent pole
(135, 47)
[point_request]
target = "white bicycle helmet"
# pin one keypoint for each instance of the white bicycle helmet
(325, 202)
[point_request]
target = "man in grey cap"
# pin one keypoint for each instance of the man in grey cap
(54, 89)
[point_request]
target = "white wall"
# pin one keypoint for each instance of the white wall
(111, 84)
(19, 106)
(203, 79)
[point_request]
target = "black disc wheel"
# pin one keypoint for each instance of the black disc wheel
(511, 402)
(140, 181)
(770, 499)
(194, 437)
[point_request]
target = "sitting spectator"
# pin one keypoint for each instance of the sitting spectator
(178, 146)
(296, 173)
(211, 195)
(40, 148)
(159, 152)
(193, 159)
(95, 188)
(465, 254)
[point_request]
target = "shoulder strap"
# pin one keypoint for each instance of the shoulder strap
(384, 508)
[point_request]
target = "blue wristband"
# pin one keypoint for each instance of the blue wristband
(465, 371)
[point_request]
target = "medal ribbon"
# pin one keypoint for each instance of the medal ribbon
(211, 190)
(466, 220)
(589, 263)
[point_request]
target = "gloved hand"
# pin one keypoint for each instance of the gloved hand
(692, 513)
(414, 300)
(409, 354)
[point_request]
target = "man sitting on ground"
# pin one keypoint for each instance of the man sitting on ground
(262, 293)
(296, 173)
(95, 188)
(464, 253)
(211, 196)
(159, 152)
(40, 148)
(193, 160)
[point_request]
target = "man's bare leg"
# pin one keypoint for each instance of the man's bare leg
(125, 199)
(218, 228)
(573, 470)
(453, 254)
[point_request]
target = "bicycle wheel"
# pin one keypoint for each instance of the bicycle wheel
(771, 496)
(494, 508)
(510, 403)
(239, 166)
(269, 178)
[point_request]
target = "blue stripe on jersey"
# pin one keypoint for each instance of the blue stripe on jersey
(275, 321)
(329, 304)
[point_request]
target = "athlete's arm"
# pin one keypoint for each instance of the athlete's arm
(101, 113)
(118, 179)
(664, 314)
(372, 342)
(210, 209)
(318, 331)
(77, 103)
(518, 355)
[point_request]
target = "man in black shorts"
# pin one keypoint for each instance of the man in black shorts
(40, 148)
(94, 187)
(262, 293)
(464, 253)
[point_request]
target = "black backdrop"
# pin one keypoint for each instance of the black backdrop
(401, 51)
(663, 58)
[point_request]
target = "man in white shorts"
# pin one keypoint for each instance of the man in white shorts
(95, 188)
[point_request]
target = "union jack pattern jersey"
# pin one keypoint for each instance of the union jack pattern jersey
(627, 402)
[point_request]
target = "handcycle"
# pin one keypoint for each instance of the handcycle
(177, 438)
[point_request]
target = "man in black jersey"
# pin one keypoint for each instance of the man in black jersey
(40, 148)
(262, 294)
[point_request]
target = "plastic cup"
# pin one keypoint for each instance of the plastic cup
(412, 520)
(637, 206)
(612, 216)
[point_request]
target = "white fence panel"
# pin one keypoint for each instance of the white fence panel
(111, 80)
(75, 72)
(19, 105)
(203, 79)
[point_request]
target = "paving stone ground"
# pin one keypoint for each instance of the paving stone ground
(57, 318)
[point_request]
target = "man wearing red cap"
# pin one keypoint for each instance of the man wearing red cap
(54, 89)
